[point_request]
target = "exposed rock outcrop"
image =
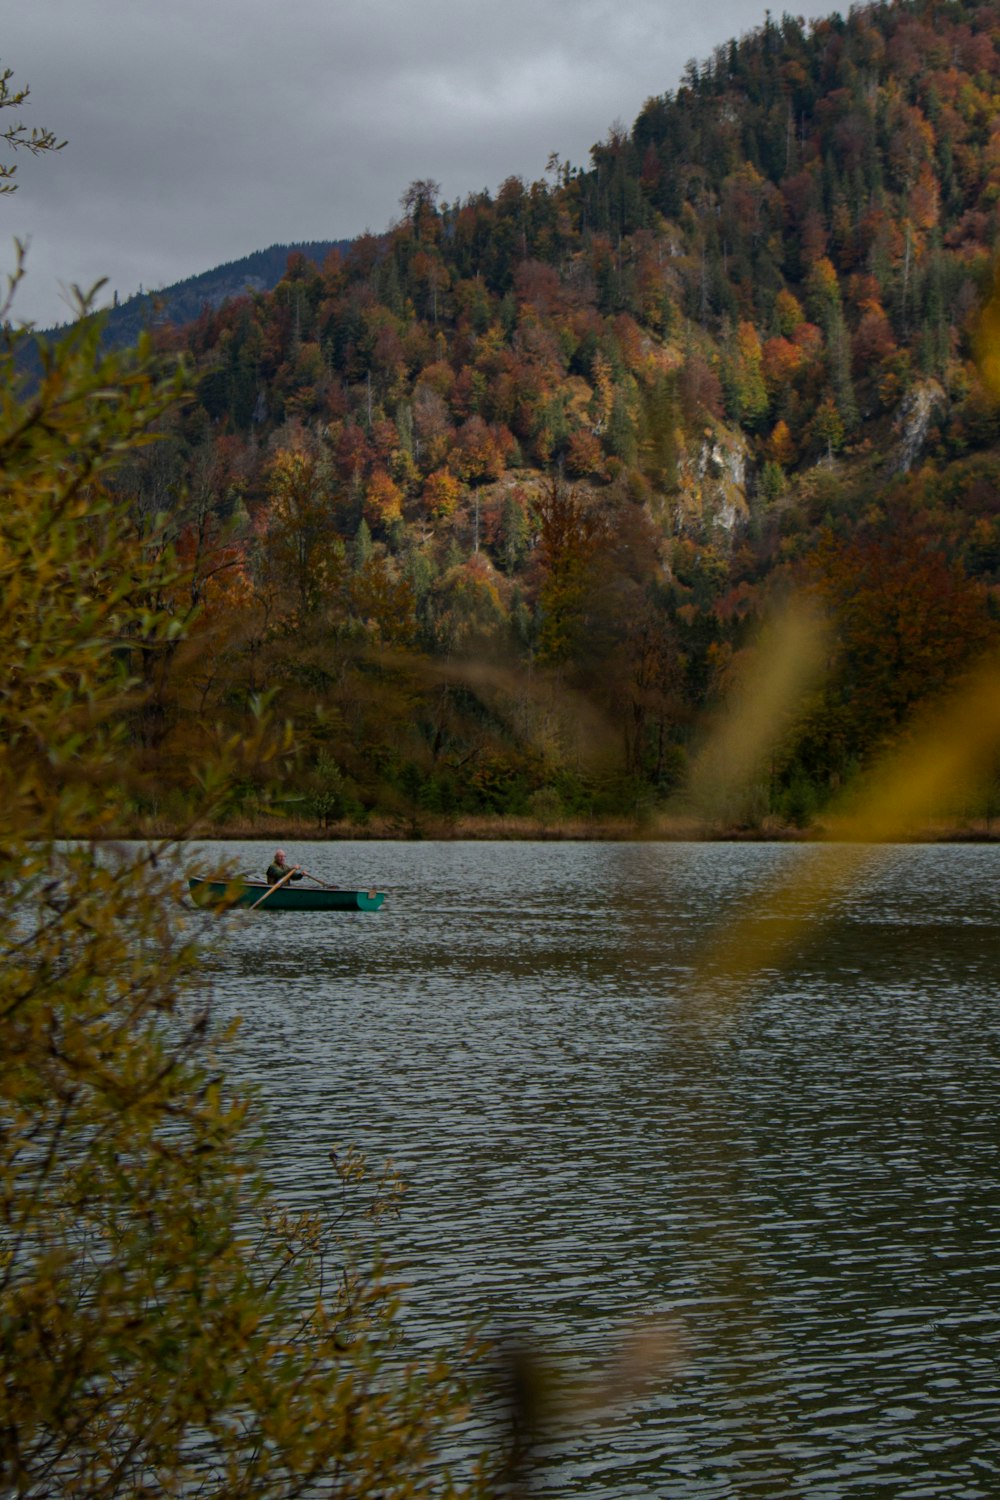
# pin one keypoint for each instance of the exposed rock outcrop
(916, 414)
(712, 484)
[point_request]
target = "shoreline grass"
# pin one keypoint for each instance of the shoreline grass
(656, 829)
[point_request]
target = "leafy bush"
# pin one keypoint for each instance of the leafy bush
(165, 1328)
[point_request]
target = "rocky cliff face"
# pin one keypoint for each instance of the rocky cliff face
(712, 484)
(919, 409)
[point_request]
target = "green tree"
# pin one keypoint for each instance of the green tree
(827, 428)
(570, 538)
(302, 553)
(662, 419)
(743, 377)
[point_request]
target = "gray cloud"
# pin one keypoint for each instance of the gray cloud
(200, 132)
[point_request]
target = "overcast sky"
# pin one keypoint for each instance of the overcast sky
(201, 130)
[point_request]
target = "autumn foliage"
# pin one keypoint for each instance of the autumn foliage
(166, 1325)
(749, 346)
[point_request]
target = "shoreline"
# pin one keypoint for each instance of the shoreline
(661, 830)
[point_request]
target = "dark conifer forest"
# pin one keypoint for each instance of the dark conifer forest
(490, 508)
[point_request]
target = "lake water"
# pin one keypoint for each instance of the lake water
(800, 1183)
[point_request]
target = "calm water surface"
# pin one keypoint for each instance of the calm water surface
(804, 1182)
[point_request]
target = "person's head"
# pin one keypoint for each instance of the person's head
(279, 856)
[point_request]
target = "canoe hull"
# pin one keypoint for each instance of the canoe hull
(208, 892)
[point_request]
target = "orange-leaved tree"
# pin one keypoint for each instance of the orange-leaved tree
(906, 622)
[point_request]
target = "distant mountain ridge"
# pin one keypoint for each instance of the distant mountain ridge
(184, 300)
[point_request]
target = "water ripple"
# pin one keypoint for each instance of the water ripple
(812, 1193)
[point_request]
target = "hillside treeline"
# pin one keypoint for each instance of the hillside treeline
(490, 508)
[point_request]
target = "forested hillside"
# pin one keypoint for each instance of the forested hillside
(492, 504)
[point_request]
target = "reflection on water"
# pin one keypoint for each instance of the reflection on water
(812, 1191)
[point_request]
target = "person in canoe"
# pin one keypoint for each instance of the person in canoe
(279, 868)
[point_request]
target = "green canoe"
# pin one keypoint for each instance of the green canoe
(289, 897)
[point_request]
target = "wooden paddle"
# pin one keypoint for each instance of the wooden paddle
(277, 886)
(324, 883)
